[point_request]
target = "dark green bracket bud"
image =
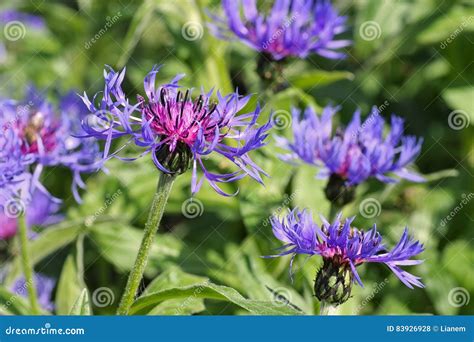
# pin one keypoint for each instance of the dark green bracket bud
(178, 161)
(338, 192)
(333, 282)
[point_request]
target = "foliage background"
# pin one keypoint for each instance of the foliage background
(410, 66)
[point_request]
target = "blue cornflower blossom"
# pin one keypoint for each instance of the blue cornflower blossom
(343, 249)
(351, 155)
(290, 29)
(41, 211)
(177, 130)
(13, 164)
(11, 15)
(44, 289)
(42, 135)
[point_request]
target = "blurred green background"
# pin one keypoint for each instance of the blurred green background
(414, 58)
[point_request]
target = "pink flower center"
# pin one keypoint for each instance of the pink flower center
(34, 130)
(180, 119)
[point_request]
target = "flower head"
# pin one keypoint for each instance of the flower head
(354, 154)
(44, 289)
(176, 129)
(13, 164)
(11, 15)
(41, 210)
(44, 135)
(344, 248)
(291, 28)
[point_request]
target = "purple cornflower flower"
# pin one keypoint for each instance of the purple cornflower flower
(292, 28)
(13, 165)
(178, 130)
(352, 155)
(40, 211)
(11, 15)
(44, 289)
(44, 135)
(343, 248)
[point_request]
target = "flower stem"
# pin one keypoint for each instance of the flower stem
(154, 218)
(334, 209)
(27, 268)
(325, 309)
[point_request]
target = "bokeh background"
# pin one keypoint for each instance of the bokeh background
(410, 58)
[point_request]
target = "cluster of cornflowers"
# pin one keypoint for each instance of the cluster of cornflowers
(345, 156)
(180, 129)
(36, 135)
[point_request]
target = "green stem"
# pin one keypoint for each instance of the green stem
(334, 209)
(80, 259)
(325, 308)
(27, 268)
(154, 218)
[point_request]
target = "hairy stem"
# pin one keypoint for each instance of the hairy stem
(27, 268)
(326, 309)
(334, 209)
(154, 218)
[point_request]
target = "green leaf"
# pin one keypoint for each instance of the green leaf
(208, 290)
(251, 276)
(180, 306)
(318, 78)
(81, 306)
(46, 243)
(119, 243)
(174, 277)
(69, 287)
